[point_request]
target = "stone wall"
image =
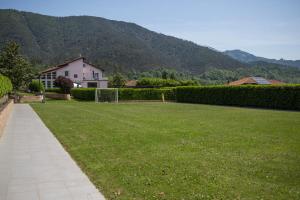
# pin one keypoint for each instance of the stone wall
(5, 111)
(25, 99)
(58, 96)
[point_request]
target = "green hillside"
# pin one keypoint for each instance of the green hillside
(112, 44)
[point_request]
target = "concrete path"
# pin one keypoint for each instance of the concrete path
(34, 165)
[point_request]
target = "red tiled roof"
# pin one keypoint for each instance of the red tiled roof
(251, 80)
(131, 83)
(246, 80)
(276, 82)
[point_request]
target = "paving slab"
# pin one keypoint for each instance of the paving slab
(34, 165)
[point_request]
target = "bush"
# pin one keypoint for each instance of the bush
(281, 97)
(64, 84)
(117, 81)
(5, 85)
(88, 94)
(36, 86)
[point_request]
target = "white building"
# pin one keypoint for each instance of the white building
(79, 71)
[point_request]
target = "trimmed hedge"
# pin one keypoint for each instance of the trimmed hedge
(88, 94)
(281, 96)
(5, 85)
(146, 94)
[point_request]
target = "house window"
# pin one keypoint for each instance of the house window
(53, 75)
(49, 75)
(75, 76)
(66, 73)
(96, 76)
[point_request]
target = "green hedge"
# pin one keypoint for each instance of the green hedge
(146, 94)
(5, 85)
(281, 97)
(88, 94)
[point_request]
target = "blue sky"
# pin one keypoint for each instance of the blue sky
(269, 28)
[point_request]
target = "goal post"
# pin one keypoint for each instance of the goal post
(107, 95)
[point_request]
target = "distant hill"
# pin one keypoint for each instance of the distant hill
(243, 56)
(112, 44)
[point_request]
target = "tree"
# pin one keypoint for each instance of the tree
(118, 80)
(15, 67)
(36, 86)
(64, 84)
(164, 74)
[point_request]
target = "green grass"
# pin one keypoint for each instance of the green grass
(180, 151)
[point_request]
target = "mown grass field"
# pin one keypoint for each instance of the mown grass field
(180, 151)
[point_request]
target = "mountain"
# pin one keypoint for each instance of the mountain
(243, 56)
(114, 45)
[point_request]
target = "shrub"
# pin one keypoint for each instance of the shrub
(117, 81)
(86, 94)
(64, 84)
(281, 97)
(36, 86)
(5, 85)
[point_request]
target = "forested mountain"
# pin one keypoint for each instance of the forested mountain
(243, 56)
(129, 49)
(111, 44)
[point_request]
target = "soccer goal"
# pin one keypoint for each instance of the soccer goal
(107, 95)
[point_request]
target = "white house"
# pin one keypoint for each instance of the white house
(79, 71)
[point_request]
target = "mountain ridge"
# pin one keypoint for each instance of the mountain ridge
(115, 45)
(246, 57)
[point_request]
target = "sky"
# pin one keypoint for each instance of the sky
(267, 28)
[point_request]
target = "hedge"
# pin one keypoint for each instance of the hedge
(5, 85)
(281, 97)
(88, 94)
(146, 94)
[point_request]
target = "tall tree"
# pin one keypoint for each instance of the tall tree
(16, 67)
(118, 80)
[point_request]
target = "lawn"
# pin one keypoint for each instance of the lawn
(180, 151)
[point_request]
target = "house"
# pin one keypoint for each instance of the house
(255, 81)
(82, 73)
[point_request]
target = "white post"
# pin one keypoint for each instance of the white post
(96, 95)
(51, 82)
(46, 81)
(117, 95)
